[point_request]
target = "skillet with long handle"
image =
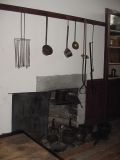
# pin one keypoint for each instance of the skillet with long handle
(47, 50)
(75, 44)
(67, 51)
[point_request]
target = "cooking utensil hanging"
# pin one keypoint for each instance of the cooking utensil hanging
(47, 50)
(22, 47)
(67, 51)
(91, 58)
(75, 44)
(91, 54)
(84, 59)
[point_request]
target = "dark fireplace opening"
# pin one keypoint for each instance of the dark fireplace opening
(62, 120)
(52, 119)
(48, 117)
(54, 115)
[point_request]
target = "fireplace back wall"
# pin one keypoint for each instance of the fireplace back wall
(70, 81)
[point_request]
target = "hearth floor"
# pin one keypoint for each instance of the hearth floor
(104, 150)
(21, 147)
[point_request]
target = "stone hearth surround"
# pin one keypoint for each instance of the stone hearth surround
(56, 82)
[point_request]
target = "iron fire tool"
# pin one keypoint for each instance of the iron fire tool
(22, 47)
(91, 59)
(84, 59)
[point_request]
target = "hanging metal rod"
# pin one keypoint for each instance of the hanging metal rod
(49, 14)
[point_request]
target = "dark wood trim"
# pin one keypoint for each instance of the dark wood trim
(53, 153)
(106, 51)
(108, 12)
(49, 14)
(95, 102)
(31, 92)
(38, 92)
(112, 11)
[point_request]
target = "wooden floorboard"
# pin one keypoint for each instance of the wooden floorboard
(104, 150)
(21, 147)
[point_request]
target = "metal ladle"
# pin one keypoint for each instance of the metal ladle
(47, 50)
(67, 51)
(75, 44)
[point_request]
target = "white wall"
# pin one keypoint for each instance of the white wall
(21, 80)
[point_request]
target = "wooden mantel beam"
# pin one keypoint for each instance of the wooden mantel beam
(49, 14)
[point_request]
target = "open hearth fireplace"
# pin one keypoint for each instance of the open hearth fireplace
(55, 117)
(66, 111)
(62, 137)
(64, 130)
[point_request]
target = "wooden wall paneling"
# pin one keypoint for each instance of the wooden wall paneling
(95, 101)
(30, 113)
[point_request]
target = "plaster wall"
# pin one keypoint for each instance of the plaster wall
(24, 80)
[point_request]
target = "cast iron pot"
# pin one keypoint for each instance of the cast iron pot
(68, 136)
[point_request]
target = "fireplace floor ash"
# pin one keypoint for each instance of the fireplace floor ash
(58, 147)
(63, 138)
(68, 137)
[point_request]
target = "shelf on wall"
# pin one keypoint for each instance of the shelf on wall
(114, 47)
(110, 78)
(114, 63)
(114, 31)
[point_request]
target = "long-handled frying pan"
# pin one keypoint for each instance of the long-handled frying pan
(47, 50)
(75, 44)
(67, 51)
